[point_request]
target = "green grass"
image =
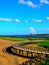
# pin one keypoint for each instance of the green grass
(44, 44)
(14, 38)
(45, 63)
(41, 45)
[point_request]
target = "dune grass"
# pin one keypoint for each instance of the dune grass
(14, 38)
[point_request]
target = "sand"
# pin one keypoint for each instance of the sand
(6, 58)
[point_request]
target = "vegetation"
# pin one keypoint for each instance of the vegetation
(45, 63)
(13, 38)
(44, 44)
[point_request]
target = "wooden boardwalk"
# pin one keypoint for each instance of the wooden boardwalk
(19, 46)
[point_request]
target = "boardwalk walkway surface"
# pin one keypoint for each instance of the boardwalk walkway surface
(20, 46)
(36, 60)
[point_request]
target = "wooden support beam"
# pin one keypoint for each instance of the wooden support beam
(22, 52)
(27, 53)
(31, 54)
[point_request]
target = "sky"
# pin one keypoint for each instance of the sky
(22, 17)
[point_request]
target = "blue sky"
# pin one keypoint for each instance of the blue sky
(21, 17)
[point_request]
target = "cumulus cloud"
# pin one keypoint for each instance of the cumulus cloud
(17, 20)
(47, 18)
(44, 1)
(29, 3)
(22, 1)
(35, 20)
(9, 20)
(32, 30)
(5, 19)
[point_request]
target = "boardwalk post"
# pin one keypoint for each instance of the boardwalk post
(16, 50)
(31, 54)
(38, 55)
(22, 52)
(27, 53)
(19, 51)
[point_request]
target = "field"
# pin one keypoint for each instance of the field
(8, 59)
(13, 38)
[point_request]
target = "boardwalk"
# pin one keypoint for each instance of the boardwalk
(41, 55)
(31, 50)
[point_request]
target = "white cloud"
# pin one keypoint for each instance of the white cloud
(5, 19)
(22, 1)
(35, 20)
(17, 20)
(29, 3)
(44, 1)
(26, 21)
(32, 30)
(47, 18)
(9, 20)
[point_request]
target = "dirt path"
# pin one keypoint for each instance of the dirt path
(8, 59)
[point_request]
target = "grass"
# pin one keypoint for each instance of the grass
(45, 63)
(14, 38)
(44, 44)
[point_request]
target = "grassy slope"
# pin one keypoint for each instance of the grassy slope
(14, 38)
(46, 43)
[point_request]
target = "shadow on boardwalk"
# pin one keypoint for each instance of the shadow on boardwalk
(9, 51)
(32, 60)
